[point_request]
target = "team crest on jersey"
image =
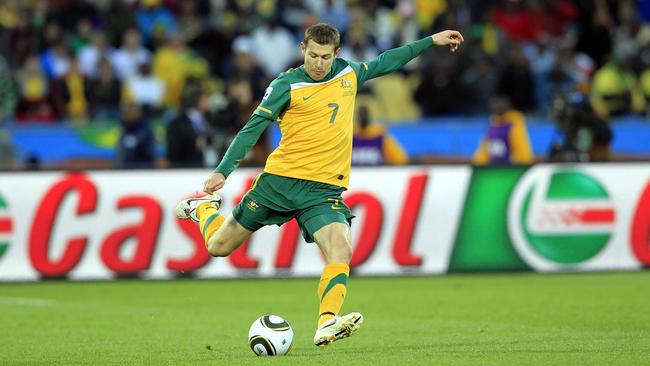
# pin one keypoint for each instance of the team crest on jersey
(252, 205)
(346, 84)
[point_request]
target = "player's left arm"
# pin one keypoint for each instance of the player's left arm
(395, 58)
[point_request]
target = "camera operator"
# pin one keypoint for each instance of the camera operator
(586, 136)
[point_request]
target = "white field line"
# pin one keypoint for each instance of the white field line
(28, 301)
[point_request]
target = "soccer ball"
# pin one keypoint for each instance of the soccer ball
(270, 335)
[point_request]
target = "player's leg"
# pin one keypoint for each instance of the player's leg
(331, 232)
(262, 205)
(325, 219)
(222, 235)
(226, 238)
(335, 242)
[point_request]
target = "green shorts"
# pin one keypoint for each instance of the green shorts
(274, 200)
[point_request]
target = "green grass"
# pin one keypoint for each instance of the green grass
(497, 319)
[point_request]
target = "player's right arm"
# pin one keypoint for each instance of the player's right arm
(275, 100)
(241, 144)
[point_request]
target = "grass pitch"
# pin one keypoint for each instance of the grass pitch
(496, 319)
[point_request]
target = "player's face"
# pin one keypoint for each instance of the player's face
(318, 58)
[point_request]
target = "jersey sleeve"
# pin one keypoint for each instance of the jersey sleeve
(276, 98)
(390, 60)
(242, 143)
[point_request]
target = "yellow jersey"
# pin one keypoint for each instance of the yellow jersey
(315, 118)
(316, 126)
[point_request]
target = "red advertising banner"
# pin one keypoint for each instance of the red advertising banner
(107, 224)
(424, 220)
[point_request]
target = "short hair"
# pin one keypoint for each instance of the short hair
(323, 33)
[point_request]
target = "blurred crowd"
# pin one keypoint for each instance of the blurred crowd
(200, 66)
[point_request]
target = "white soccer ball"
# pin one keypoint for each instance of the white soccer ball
(270, 335)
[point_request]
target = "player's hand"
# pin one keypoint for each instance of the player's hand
(450, 38)
(214, 183)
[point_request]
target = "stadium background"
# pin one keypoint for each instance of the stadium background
(68, 211)
(68, 67)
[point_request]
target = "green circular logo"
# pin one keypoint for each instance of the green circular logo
(564, 217)
(6, 226)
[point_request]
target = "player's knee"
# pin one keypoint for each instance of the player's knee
(218, 247)
(340, 249)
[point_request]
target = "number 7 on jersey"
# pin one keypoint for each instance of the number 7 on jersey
(334, 111)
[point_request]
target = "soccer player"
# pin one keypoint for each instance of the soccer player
(306, 174)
